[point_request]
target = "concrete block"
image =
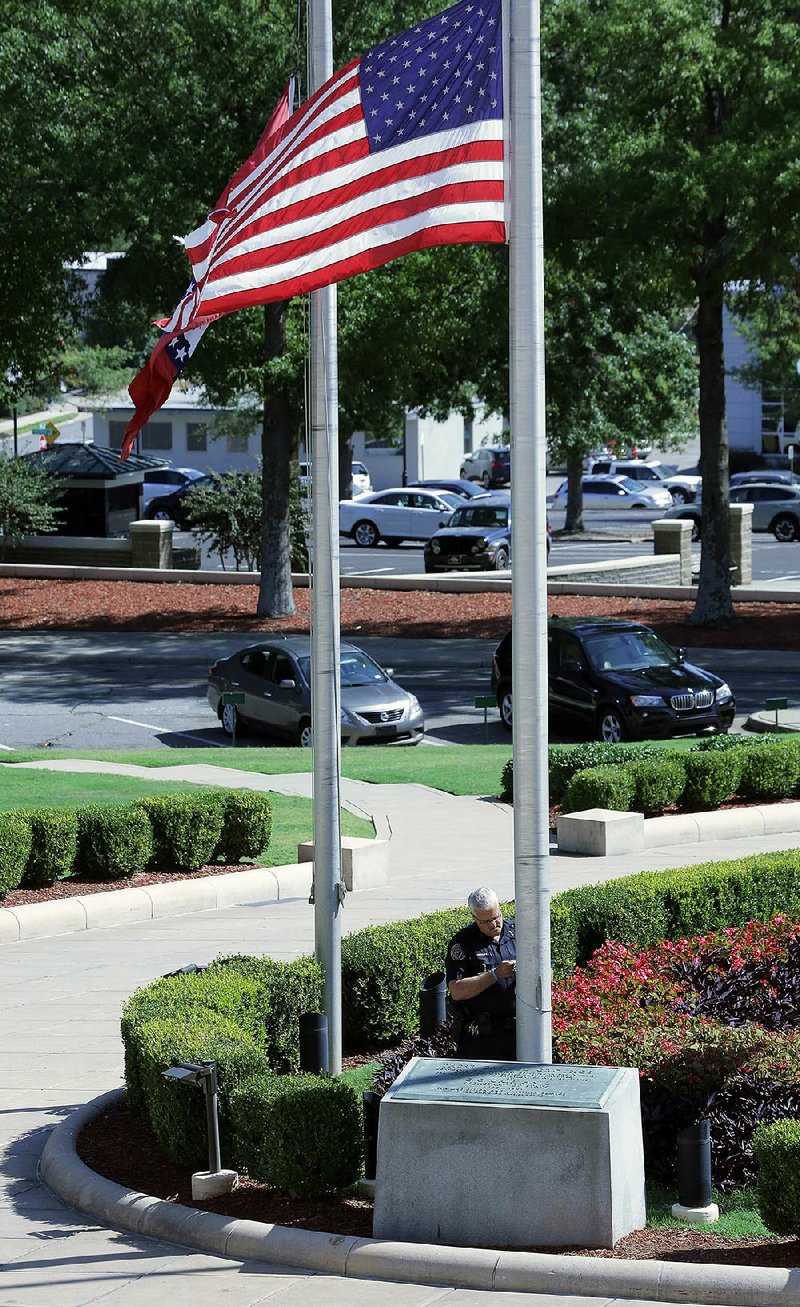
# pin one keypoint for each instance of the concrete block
(600, 832)
(151, 544)
(670, 830)
(674, 536)
(781, 818)
(212, 1184)
(365, 863)
(117, 907)
(570, 1139)
(58, 917)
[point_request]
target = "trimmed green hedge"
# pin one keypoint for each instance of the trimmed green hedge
(771, 772)
(186, 828)
(600, 787)
(300, 1134)
(114, 841)
(246, 826)
(54, 845)
(15, 846)
(776, 1148)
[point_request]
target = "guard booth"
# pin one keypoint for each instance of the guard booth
(100, 493)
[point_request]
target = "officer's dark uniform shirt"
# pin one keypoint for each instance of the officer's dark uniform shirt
(471, 953)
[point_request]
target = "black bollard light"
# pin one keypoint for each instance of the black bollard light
(314, 1042)
(694, 1165)
(432, 1009)
(372, 1107)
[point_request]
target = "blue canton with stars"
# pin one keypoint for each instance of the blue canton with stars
(444, 73)
(179, 351)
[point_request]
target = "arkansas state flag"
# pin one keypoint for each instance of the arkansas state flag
(151, 387)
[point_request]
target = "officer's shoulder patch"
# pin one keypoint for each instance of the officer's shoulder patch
(457, 952)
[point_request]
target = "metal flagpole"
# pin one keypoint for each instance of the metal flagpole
(528, 540)
(325, 714)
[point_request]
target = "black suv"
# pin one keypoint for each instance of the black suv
(621, 681)
(173, 507)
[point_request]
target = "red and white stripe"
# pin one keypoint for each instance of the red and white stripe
(320, 207)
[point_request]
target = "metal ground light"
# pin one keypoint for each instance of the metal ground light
(203, 1075)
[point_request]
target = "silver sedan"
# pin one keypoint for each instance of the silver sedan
(274, 678)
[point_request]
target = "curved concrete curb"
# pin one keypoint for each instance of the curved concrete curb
(473, 1268)
(118, 907)
(764, 722)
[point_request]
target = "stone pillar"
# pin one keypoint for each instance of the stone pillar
(742, 543)
(674, 536)
(151, 544)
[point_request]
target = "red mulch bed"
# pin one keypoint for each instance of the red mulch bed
(73, 887)
(145, 606)
(120, 1145)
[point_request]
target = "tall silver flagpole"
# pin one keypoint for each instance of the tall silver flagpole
(325, 716)
(528, 540)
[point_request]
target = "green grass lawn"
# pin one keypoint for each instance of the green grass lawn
(738, 1214)
(292, 821)
(451, 768)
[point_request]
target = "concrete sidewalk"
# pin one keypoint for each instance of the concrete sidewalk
(59, 1027)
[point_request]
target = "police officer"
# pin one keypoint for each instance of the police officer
(481, 980)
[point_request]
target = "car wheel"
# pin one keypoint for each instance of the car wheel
(161, 515)
(610, 728)
(784, 528)
(696, 532)
(230, 719)
(304, 737)
(679, 496)
(486, 480)
(366, 534)
(463, 474)
(501, 560)
(505, 706)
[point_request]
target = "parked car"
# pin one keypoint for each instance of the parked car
(476, 539)
(362, 485)
(615, 492)
(683, 486)
(776, 508)
(395, 515)
(491, 465)
(275, 678)
(775, 477)
(464, 489)
(620, 681)
(689, 513)
(173, 507)
(161, 481)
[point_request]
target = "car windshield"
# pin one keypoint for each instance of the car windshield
(627, 651)
(354, 669)
(629, 484)
(450, 498)
(478, 515)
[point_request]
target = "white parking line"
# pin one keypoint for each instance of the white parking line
(165, 730)
(8, 747)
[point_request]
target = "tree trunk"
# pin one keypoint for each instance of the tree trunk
(714, 589)
(275, 598)
(345, 463)
(574, 518)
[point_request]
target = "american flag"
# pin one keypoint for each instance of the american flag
(400, 150)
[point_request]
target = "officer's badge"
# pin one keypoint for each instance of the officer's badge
(457, 953)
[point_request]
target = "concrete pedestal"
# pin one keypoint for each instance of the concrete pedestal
(365, 863)
(213, 1184)
(508, 1154)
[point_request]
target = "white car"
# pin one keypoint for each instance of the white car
(616, 492)
(362, 484)
(683, 486)
(401, 513)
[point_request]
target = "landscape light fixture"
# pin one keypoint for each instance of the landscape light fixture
(203, 1075)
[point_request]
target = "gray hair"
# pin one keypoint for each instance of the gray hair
(480, 900)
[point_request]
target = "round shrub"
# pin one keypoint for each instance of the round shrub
(15, 847)
(712, 776)
(54, 845)
(246, 826)
(186, 828)
(770, 772)
(658, 783)
(600, 787)
(566, 760)
(114, 841)
(300, 1134)
(776, 1148)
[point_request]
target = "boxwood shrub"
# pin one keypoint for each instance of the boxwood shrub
(600, 787)
(658, 783)
(54, 845)
(114, 841)
(15, 847)
(300, 1134)
(712, 776)
(771, 772)
(186, 828)
(776, 1148)
(566, 760)
(246, 826)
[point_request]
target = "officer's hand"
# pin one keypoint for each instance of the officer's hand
(505, 969)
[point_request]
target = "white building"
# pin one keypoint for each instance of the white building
(759, 421)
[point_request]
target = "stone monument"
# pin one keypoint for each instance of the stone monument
(510, 1154)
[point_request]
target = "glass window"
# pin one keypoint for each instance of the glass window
(116, 431)
(571, 651)
(628, 650)
(196, 438)
(282, 669)
(157, 435)
(238, 444)
(255, 662)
